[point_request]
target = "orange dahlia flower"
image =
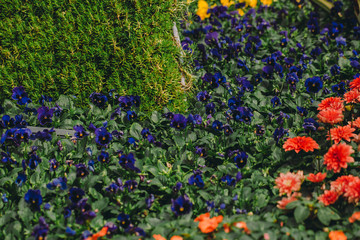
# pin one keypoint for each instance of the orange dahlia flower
(337, 235)
(158, 237)
(330, 116)
(242, 225)
(289, 182)
(226, 227)
(335, 103)
(202, 217)
(101, 233)
(329, 197)
(338, 156)
(339, 133)
(355, 123)
(352, 96)
(352, 191)
(341, 183)
(300, 143)
(354, 217)
(207, 224)
(176, 238)
(355, 84)
(286, 200)
(319, 177)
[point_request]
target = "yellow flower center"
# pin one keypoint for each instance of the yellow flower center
(287, 182)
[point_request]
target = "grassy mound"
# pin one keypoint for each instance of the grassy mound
(77, 47)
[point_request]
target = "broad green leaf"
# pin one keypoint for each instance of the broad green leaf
(179, 141)
(135, 130)
(301, 213)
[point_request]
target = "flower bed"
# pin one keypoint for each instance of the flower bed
(268, 149)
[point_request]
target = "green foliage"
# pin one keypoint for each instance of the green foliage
(74, 47)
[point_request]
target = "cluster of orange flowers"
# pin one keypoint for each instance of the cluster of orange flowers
(290, 184)
(338, 156)
(208, 225)
(331, 110)
(346, 186)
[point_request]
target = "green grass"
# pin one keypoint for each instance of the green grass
(76, 47)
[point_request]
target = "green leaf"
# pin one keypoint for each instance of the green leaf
(301, 213)
(192, 137)
(6, 218)
(155, 117)
(5, 180)
(100, 204)
(343, 62)
(64, 101)
(293, 204)
(51, 215)
(325, 215)
(206, 196)
(135, 130)
(179, 141)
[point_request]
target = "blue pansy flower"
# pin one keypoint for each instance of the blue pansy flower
(102, 136)
(34, 198)
(275, 101)
(181, 205)
(19, 94)
(313, 85)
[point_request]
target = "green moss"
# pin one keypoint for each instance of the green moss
(77, 47)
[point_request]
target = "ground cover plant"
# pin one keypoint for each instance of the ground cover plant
(267, 150)
(78, 47)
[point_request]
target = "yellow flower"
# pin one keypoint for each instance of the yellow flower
(266, 2)
(251, 3)
(241, 12)
(203, 7)
(203, 4)
(226, 3)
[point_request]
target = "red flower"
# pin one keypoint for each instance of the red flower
(242, 225)
(330, 116)
(226, 227)
(300, 143)
(352, 96)
(207, 224)
(286, 200)
(355, 123)
(289, 182)
(355, 84)
(158, 237)
(337, 235)
(102, 233)
(329, 197)
(345, 133)
(334, 103)
(176, 238)
(352, 191)
(319, 177)
(202, 217)
(354, 217)
(341, 183)
(338, 156)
